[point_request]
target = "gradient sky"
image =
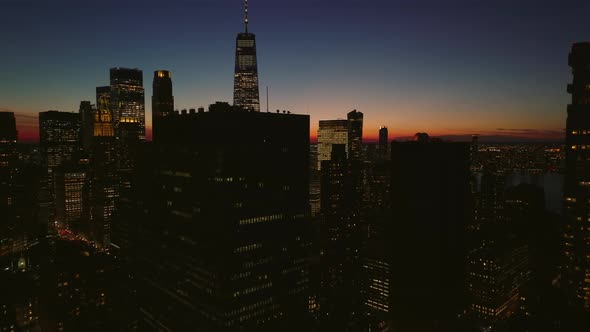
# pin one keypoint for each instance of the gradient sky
(494, 67)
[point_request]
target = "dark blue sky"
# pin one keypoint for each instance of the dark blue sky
(445, 67)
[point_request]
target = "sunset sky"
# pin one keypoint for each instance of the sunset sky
(443, 67)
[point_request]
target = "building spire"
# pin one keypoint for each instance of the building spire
(246, 15)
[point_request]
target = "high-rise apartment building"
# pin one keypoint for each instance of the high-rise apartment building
(59, 137)
(331, 132)
(355, 135)
(246, 92)
(576, 233)
(162, 99)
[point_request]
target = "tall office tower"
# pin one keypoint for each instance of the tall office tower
(355, 135)
(498, 258)
(103, 176)
(128, 104)
(331, 132)
(59, 137)
(383, 143)
(221, 238)
(341, 239)
(162, 99)
(430, 206)
(8, 160)
(576, 236)
(314, 180)
(246, 70)
(86, 124)
(71, 196)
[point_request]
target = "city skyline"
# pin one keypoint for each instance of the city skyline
(444, 69)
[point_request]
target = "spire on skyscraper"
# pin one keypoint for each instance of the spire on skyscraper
(246, 95)
(246, 15)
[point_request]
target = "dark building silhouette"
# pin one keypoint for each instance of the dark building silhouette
(218, 228)
(86, 124)
(162, 99)
(383, 148)
(59, 137)
(576, 234)
(355, 135)
(246, 92)
(314, 180)
(8, 165)
(431, 207)
(341, 239)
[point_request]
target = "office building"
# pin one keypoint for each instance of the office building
(127, 102)
(430, 197)
(103, 171)
(340, 240)
(219, 226)
(355, 135)
(86, 124)
(246, 92)
(8, 163)
(331, 132)
(71, 196)
(59, 137)
(383, 148)
(576, 247)
(162, 99)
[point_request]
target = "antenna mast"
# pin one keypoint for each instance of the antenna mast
(246, 15)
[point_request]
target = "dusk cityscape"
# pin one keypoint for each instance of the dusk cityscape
(257, 165)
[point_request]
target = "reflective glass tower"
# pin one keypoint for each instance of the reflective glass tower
(128, 103)
(246, 70)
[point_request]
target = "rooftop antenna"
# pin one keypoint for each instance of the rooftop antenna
(246, 15)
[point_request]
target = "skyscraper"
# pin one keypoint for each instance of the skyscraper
(8, 167)
(86, 124)
(430, 206)
(340, 240)
(222, 240)
(162, 99)
(59, 137)
(128, 103)
(383, 143)
(355, 134)
(331, 132)
(576, 233)
(71, 195)
(104, 189)
(246, 93)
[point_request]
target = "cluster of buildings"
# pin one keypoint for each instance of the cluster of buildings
(259, 230)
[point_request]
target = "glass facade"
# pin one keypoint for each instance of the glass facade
(331, 132)
(246, 92)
